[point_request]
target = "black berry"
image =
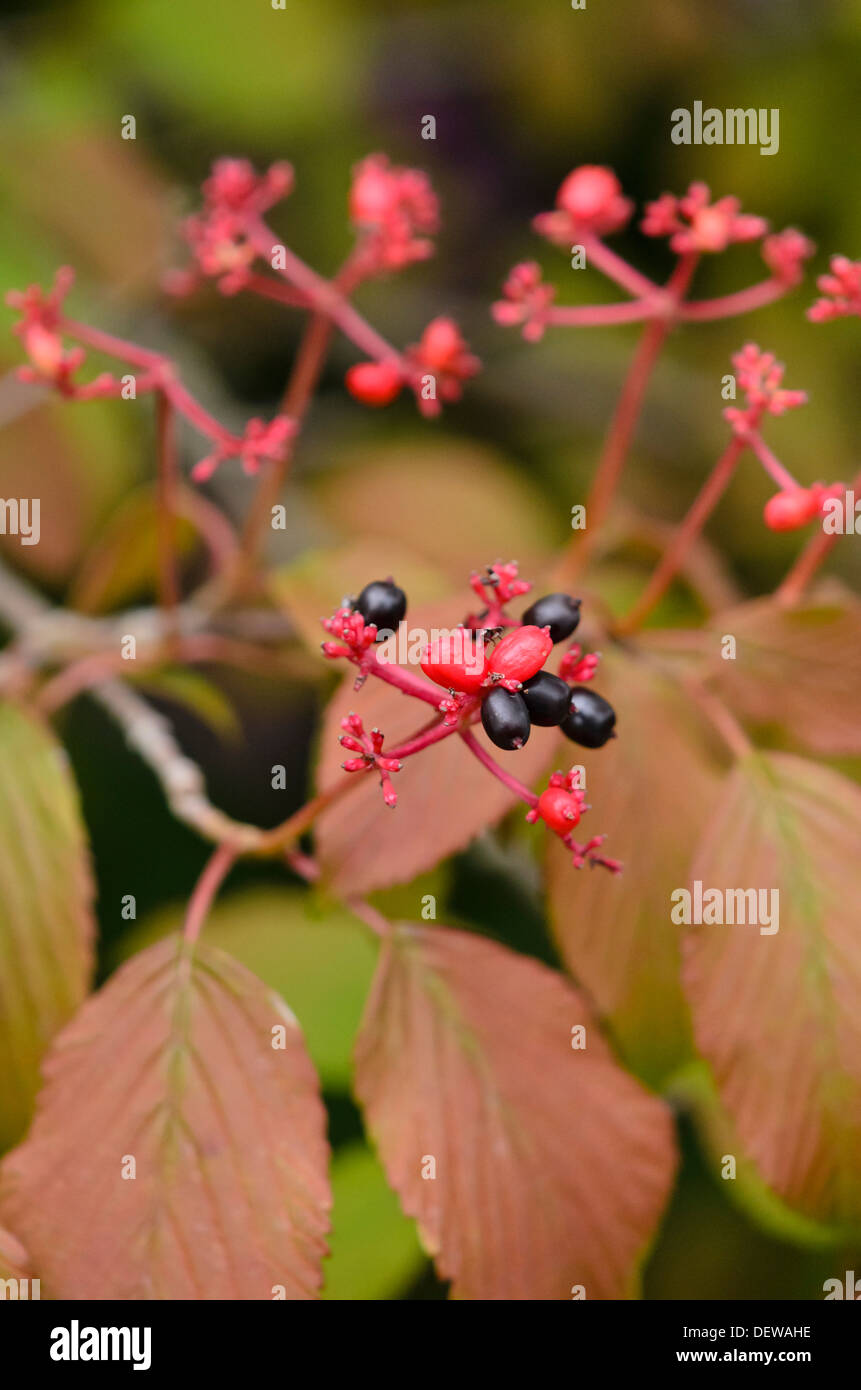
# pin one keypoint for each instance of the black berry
(505, 718)
(591, 720)
(547, 698)
(559, 612)
(383, 604)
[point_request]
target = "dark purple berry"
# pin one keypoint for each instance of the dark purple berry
(547, 698)
(505, 718)
(559, 612)
(383, 604)
(591, 720)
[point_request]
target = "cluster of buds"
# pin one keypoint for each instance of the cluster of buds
(395, 211)
(259, 443)
(40, 329)
(590, 205)
(841, 290)
(234, 197)
(369, 748)
(526, 301)
(760, 376)
(578, 666)
(785, 253)
(496, 587)
(355, 639)
(694, 223)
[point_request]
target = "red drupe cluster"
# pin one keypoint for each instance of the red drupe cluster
(493, 669)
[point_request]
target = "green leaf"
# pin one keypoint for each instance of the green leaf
(188, 688)
(693, 1088)
(122, 565)
(46, 918)
(375, 1248)
(323, 965)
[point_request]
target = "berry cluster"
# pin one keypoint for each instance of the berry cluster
(514, 689)
(493, 670)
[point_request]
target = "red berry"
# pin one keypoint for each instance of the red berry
(560, 809)
(441, 342)
(374, 383)
(588, 191)
(785, 511)
(463, 670)
(522, 653)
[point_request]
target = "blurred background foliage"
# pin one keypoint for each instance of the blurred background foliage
(521, 94)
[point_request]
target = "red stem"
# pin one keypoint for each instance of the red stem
(770, 462)
(405, 681)
(325, 295)
(216, 870)
(112, 346)
(623, 424)
(728, 305)
(166, 486)
(619, 270)
(673, 558)
(597, 315)
(511, 782)
(433, 733)
(163, 373)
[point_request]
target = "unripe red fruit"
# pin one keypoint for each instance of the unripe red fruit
(441, 341)
(374, 383)
(462, 674)
(522, 653)
(587, 191)
(785, 511)
(559, 809)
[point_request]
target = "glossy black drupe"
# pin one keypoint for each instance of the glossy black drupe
(383, 604)
(547, 699)
(505, 718)
(559, 612)
(592, 718)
